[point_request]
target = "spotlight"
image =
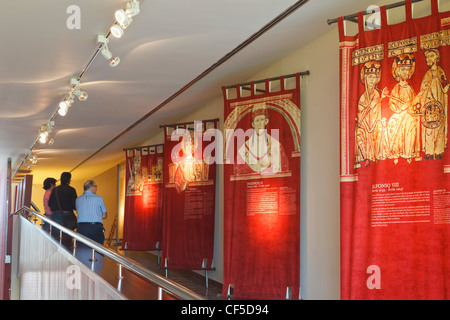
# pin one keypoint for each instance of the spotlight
(44, 131)
(31, 161)
(63, 108)
(113, 62)
(82, 96)
(65, 105)
(30, 158)
(116, 31)
(43, 134)
(124, 18)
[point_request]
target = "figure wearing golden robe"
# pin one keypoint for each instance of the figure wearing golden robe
(432, 100)
(136, 181)
(188, 169)
(370, 127)
(404, 124)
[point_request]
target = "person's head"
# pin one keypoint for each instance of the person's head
(90, 185)
(403, 67)
(66, 177)
(260, 117)
(371, 73)
(49, 183)
(188, 143)
(432, 56)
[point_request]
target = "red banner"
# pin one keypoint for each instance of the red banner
(5, 229)
(262, 191)
(143, 198)
(395, 215)
(189, 197)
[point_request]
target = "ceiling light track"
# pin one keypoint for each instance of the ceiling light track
(123, 20)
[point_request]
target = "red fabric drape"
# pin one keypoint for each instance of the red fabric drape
(395, 217)
(143, 198)
(189, 199)
(262, 193)
(5, 230)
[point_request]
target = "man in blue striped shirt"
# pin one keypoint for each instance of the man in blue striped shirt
(91, 210)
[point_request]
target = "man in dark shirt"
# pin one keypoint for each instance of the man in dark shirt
(62, 204)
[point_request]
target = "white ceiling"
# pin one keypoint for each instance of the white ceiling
(168, 45)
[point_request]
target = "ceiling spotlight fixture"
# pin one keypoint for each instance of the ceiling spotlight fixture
(75, 83)
(113, 62)
(43, 134)
(116, 31)
(80, 94)
(44, 131)
(32, 161)
(65, 105)
(29, 159)
(124, 18)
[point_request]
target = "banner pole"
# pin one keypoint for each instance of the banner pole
(354, 16)
(303, 73)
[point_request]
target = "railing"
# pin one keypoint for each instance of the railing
(164, 285)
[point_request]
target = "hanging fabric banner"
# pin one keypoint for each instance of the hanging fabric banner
(395, 166)
(143, 198)
(262, 190)
(189, 196)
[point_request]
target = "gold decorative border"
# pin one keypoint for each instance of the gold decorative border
(435, 40)
(396, 48)
(366, 54)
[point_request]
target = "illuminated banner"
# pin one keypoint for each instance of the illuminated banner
(395, 213)
(143, 198)
(262, 190)
(189, 196)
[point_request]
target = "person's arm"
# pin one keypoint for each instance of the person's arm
(74, 197)
(47, 209)
(103, 208)
(52, 200)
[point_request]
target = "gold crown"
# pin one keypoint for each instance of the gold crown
(371, 67)
(260, 109)
(405, 60)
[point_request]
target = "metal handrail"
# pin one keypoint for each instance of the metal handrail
(163, 284)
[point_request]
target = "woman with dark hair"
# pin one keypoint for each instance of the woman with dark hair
(49, 184)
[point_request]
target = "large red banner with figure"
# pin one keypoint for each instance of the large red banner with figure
(143, 198)
(189, 196)
(262, 190)
(395, 165)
